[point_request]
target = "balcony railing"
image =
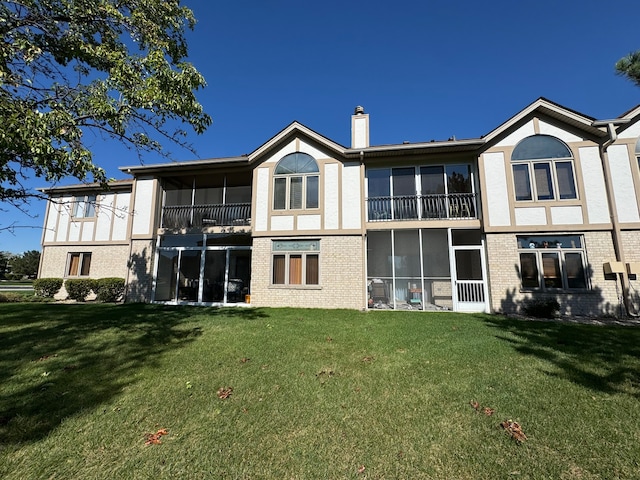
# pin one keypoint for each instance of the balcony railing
(198, 216)
(423, 207)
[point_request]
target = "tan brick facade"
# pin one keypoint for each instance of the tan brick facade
(341, 276)
(106, 261)
(507, 296)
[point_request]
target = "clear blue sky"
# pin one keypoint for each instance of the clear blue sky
(422, 69)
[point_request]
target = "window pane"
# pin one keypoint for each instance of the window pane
(407, 253)
(521, 182)
(208, 196)
(540, 146)
(404, 181)
(432, 179)
(575, 270)
(79, 209)
(166, 277)
(74, 262)
(551, 270)
(280, 194)
(278, 269)
(378, 182)
(468, 265)
(544, 187)
(435, 253)
(295, 269)
(529, 270)
(295, 193)
(86, 264)
(458, 178)
(312, 192)
(312, 270)
(296, 163)
(90, 208)
(566, 185)
(379, 254)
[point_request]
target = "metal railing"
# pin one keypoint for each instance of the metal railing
(423, 207)
(198, 216)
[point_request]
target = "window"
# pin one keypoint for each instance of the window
(638, 151)
(78, 264)
(295, 262)
(84, 207)
(552, 262)
(543, 169)
(296, 182)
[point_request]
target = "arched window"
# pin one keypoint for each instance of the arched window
(296, 182)
(638, 150)
(543, 169)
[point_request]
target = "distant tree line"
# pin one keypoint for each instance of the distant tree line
(18, 266)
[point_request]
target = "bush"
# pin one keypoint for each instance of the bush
(11, 297)
(47, 287)
(79, 288)
(109, 289)
(541, 307)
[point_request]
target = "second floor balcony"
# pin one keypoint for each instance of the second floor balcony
(452, 206)
(199, 216)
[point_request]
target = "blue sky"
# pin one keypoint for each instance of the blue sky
(422, 69)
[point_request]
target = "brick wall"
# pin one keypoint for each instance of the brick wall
(341, 276)
(505, 285)
(106, 261)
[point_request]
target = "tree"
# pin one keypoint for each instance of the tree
(629, 67)
(5, 258)
(26, 264)
(69, 67)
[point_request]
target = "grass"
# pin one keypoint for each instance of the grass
(315, 394)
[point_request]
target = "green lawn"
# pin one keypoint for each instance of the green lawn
(315, 394)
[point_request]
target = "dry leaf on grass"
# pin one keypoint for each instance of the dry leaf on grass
(488, 411)
(224, 392)
(514, 430)
(361, 469)
(154, 438)
(475, 405)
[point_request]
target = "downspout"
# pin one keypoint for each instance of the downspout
(616, 232)
(363, 218)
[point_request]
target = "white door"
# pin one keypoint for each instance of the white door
(469, 286)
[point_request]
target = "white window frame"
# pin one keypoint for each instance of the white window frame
(81, 259)
(84, 206)
(561, 252)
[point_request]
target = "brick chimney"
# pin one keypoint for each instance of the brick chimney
(359, 128)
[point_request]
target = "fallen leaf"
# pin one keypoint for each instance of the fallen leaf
(488, 411)
(475, 405)
(154, 438)
(514, 430)
(224, 392)
(361, 469)
(244, 360)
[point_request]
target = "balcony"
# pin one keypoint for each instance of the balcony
(452, 206)
(199, 216)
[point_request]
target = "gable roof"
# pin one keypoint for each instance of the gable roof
(554, 110)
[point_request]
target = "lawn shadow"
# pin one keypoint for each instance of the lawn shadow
(602, 358)
(57, 360)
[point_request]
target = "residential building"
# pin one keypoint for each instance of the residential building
(545, 205)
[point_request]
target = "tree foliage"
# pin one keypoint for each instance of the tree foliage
(114, 68)
(629, 67)
(26, 264)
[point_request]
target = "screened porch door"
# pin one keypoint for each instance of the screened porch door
(469, 285)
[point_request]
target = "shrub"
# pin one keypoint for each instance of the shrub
(109, 289)
(47, 287)
(79, 288)
(541, 307)
(11, 297)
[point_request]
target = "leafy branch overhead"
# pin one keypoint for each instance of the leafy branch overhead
(115, 68)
